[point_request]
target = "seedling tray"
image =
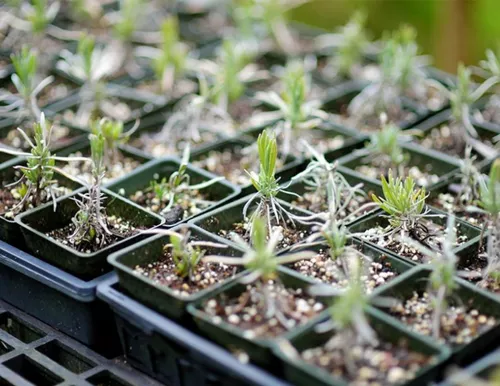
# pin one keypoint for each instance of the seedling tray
(171, 353)
(61, 300)
(31, 353)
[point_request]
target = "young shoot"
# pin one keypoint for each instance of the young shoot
(112, 132)
(402, 74)
(404, 205)
(91, 65)
(442, 279)
(267, 186)
(24, 104)
(349, 45)
(169, 191)
(489, 203)
(296, 112)
(90, 220)
(260, 258)
(462, 97)
(37, 184)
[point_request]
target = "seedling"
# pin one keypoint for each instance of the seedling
(90, 220)
(112, 132)
(128, 18)
(260, 259)
(349, 46)
(293, 107)
(489, 202)
(170, 61)
(169, 191)
(37, 184)
(442, 282)
(91, 65)
(402, 74)
(267, 186)
(469, 180)
(462, 97)
(85, 11)
(24, 102)
(385, 144)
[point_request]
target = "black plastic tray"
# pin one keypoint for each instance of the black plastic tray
(171, 353)
(31, 353)
(62, 300)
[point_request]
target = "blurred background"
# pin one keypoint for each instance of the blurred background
(449, 30)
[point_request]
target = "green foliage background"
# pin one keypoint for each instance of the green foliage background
(449, 30)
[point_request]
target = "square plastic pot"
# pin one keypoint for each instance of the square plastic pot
(426, 160)
(160, 297)
(37, 222)
(229, 214)
(416, 280)
(379, 219)
(258, 349)
(301, 373)
(172, 353)
(219, 192)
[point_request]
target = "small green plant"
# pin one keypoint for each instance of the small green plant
(86, 11)
(442, 282)
(90, 220)
(385, 143)
(40, 15)
(169, 191)
(128, 18)
(24, 102)
(260, 257)
(113, 134)
(267, 186)
(293, 107)
(402, 201)
(37, 184)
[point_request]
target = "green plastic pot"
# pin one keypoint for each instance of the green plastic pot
(398, 265)
(416, 280)
(37, 222)
(301, 373)
(427, 160)
(369, 187)
(380, 219)
(159, 297)
(233, 337)
(10, 232)
(231, 213)
(140, 179)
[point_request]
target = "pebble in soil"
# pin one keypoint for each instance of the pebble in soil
(163, 272)
(187, 204)
(60, 135)
(247, 313)
(322, 268)
(312, 202)
(120, 166)
(447, 203)
(289, 234)
(120, 229)
(459, 324)
(367, 365)
(434, 238)
(490, 113)
(370, 123)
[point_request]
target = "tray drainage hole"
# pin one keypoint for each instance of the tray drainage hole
(18, 329)
(4, 347)
(66, 357)
(105, 378)
(32, 371)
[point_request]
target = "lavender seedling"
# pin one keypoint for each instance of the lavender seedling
(294, 109)
(90, 220)
(490, 70)
(92, 66)
(402, 74)
(169, 191)
(349, 47)
(267, 186)
(37, 184)
(24, 103)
